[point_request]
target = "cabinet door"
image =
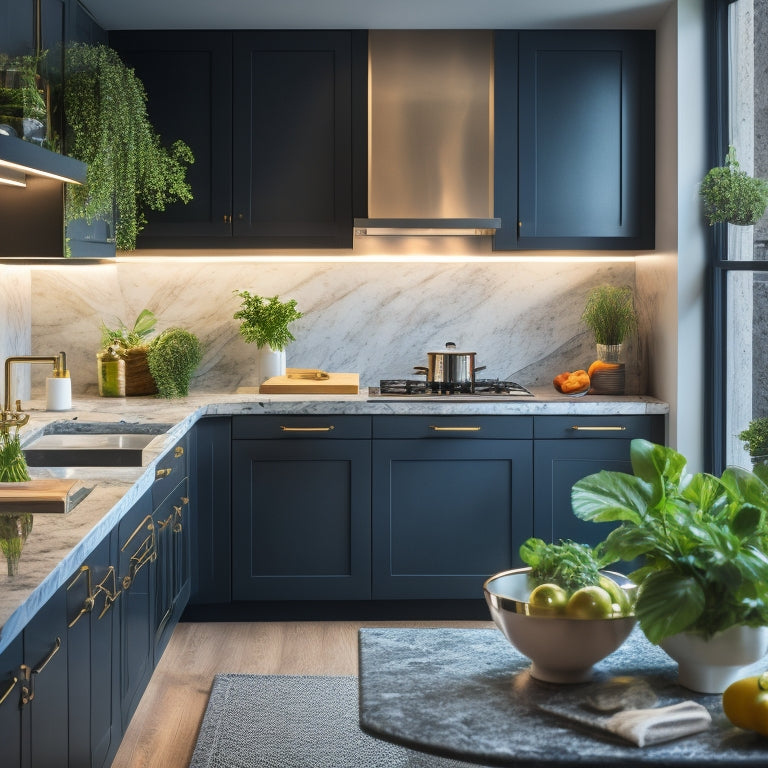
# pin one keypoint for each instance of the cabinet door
(11, 660)
(188, 79)
(301, 519)
(211, 480)
(584, 139)
(447, 514)
(45, 735)
(292, 126)
(94, 714)
(136, 558)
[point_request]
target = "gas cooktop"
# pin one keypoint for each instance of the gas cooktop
(488, 389)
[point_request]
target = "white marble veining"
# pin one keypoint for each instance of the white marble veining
(376, 319)
(15, 325)
(58, 544)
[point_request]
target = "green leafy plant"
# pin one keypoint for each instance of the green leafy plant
(173, 357)
(755, 437)
(264, 322)
(610, 314)
(568, 564)
(732, 195)
(704, 540)
(22, 97)
(107, 127)
(13, 465)
(129, 338)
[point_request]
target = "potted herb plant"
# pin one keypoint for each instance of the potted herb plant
(132, 345)
(107, 127)
(14, 528)
(264, 322)
(173, 357)
(732, 195)
(610, 314)
(703, 585)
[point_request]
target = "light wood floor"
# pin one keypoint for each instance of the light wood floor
(164, 728)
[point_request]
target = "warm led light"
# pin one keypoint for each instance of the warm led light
(12, 177)
(6, 165)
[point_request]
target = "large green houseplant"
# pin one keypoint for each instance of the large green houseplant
(610, 314)
(732, 195)
(264, 322)
(704, 540)
(107, 127)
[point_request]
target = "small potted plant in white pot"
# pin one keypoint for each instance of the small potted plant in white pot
(264, 322)
(732, 195)
(703, 586)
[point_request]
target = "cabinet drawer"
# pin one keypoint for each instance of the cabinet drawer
(332, 427)
(464, 427)
(169, 471)
(591, 427)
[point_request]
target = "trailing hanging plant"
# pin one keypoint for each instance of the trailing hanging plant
(108, 128)
(173, 356)
(264, 322)
(732, 195)
(610, 314)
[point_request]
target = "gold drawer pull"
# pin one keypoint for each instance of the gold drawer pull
(8, 690)
(178, 451)
(306, 429)
(578, 428)
(163, 472)
(454, 429)
(44, 663)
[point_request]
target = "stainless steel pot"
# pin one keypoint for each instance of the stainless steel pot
(450, 366)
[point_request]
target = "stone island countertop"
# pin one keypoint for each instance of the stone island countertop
(58, 544)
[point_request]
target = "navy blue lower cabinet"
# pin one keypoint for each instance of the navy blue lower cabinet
(301, 517)
(94, 705)
(211, 505)
(448, 513)
(569, 448)
(44, 700)
(136, 573)
(11, 660)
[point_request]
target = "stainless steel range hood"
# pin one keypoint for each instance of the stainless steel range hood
(430, 133)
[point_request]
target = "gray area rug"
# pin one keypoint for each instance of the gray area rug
(294, 721)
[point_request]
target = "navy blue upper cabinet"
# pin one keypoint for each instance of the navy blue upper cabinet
(574, 139)
(269, 117)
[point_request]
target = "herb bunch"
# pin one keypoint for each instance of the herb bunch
(13, 465)
(172, 357)
(264, 322)
(704, 540)
(610, 314)
(568, 564)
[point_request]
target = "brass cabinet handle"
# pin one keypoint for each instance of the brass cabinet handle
(163, 472)
(7, 692)
(146, 551)
(579, 428)
(307, 429)
(89, 600)
(28, 684)
(178, 451)
(454, 429)
(44, 663)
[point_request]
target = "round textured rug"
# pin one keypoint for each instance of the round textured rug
(290, 721)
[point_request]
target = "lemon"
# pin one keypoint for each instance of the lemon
(547, 599)
(621, 600)
(590, 603)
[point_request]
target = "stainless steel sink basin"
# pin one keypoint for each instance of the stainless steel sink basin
(96, 444)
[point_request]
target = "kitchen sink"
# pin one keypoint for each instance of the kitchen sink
(92, 444)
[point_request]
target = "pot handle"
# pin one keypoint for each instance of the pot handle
(479, 368)
(420, 370)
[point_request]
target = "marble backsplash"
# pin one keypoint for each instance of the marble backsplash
(375, 318)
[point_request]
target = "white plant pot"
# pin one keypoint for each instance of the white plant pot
(269, 363)
(710, 666)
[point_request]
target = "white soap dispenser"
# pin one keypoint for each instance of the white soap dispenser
(58, 387)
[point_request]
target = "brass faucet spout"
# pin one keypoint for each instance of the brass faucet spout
(10, 416)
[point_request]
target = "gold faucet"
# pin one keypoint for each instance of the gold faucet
(15, 417)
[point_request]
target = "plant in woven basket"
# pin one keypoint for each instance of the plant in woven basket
(107, 127)
(132, 345)
(173, 357)
(732, 195)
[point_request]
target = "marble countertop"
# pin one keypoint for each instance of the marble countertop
(467, 694)
(58, 544)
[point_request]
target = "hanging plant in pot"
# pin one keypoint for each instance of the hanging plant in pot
(107, 127)
(732, 195)
(264, 322)
(703, 587)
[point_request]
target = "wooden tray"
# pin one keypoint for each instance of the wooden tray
(335, 384)
(44, 494)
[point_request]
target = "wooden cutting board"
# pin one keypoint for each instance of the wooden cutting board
(44, 494)
(335, 384)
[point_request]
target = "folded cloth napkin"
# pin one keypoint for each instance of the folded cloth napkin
(642, 726)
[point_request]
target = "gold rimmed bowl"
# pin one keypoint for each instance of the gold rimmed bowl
(562, 648)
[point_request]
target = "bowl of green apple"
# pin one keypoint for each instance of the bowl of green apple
(562, 611)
